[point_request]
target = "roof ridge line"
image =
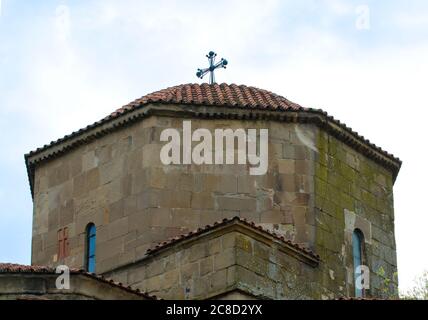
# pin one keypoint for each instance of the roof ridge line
(163, 244)
(20, 268)
(231, 100)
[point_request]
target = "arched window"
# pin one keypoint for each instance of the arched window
(90, 247)
(358, 254)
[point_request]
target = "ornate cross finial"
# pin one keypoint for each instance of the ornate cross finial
(211, 58)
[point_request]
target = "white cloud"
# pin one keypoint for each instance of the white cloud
(406, 20)
(62, 22)
(339, 7)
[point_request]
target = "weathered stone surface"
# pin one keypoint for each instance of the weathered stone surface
(348, 196)
(245, 262)
(42, 286)
(314, 183)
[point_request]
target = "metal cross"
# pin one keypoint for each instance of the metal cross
(211, 58)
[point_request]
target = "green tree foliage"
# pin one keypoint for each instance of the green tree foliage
(419, 290)
(388, 287)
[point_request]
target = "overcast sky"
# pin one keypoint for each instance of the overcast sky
(65, 64)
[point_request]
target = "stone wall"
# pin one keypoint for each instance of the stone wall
(351, 192)
(41, 286)
(119, 183)
(223, 263)
(316, 192)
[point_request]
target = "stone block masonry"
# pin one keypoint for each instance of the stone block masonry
(118, 183)
(223, 261)
(317, 190)
(352, 192)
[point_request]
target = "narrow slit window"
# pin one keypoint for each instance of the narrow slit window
(358, 254)
(90, 247)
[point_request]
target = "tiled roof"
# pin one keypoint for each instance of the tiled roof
(225, 222)
(215, 95)
(345, 298)
(18, 268)
(238, 96)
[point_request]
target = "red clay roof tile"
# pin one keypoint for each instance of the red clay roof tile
(225, 95)
(224, 222)
(216, 94)
(18, 268)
